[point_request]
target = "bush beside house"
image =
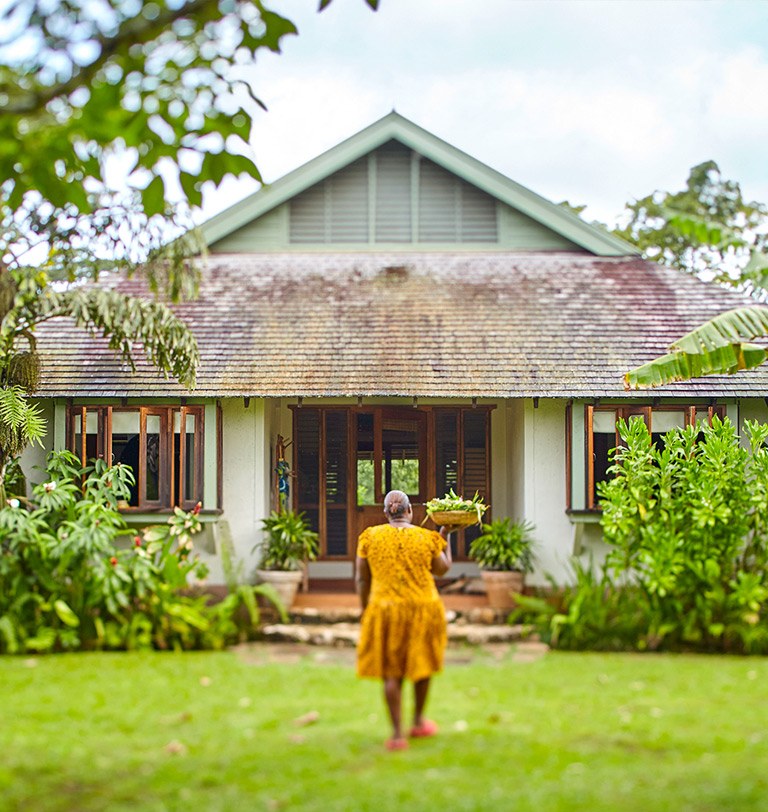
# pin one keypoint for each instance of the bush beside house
(687, 569)
(74, 576)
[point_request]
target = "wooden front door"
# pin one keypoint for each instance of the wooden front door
(390, 454)
(347, 459)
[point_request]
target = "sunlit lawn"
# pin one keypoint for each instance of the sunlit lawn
(219, 732)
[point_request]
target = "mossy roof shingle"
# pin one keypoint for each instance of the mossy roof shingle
(418, 324)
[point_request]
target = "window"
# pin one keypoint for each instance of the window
(162, 444)
(603, 435)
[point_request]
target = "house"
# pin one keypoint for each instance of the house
(394, 314)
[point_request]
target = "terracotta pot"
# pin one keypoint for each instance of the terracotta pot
(500, 585)
(285, 582)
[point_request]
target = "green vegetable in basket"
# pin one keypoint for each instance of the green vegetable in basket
(453, 502)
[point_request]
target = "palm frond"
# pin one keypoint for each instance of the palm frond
(125, 320)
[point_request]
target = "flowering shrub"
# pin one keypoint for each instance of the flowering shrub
(73, 576)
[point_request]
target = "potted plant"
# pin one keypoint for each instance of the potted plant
(288, 543)
(504, 553)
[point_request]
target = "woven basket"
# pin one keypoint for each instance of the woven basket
(457, 518)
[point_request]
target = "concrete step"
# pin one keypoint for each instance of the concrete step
(327, 615)
(348, 600)
(345, 634)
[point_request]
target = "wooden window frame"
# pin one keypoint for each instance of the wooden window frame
(169, 472)
(625, 411)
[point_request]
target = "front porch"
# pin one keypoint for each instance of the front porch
(324, 601)
(333, 619)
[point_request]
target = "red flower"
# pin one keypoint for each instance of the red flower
(113, 561)
(196, 508)
(137, 541)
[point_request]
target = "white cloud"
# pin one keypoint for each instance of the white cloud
(596, 102)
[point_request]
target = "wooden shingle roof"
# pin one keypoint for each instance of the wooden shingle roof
(459, 324)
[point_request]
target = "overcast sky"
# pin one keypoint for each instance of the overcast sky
(593, 101)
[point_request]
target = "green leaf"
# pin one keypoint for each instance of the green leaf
(153, 197)
(65, 614)
(715, 348)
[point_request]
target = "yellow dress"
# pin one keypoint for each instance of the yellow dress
(403, 629)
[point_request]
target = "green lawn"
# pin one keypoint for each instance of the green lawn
(218, 731)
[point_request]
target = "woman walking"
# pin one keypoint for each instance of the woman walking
(403, 630)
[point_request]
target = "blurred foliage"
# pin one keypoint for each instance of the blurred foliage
(707, 229)
(156, 94)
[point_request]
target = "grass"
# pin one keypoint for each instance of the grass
(202, 731)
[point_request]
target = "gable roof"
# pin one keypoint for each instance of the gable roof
(446, 325)
(393, 126)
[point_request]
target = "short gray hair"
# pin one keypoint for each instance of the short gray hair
(396, 504)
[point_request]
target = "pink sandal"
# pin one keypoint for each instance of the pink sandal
(396, 744)
(425, 729)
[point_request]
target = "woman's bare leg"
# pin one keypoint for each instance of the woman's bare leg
(420, 691)
(393, 694)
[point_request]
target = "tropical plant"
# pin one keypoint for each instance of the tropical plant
(718, 347)
(504, 545)
(288, 541)
(74, 576)
(687, 566)
(148, 91)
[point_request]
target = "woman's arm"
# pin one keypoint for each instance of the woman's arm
(441, 563)
(363, 580)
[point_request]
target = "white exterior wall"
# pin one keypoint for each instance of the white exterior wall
(543, 483)
(246, 455)
(752, 410)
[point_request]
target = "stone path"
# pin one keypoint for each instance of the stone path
(263, 653)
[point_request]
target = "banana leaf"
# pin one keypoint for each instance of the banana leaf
(718, 347)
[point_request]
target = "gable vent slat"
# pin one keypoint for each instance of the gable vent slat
(307, 221)
(393, 195)
(349, 204)
(478, 216)
(437, 204)
(338, 210)
(451, 210)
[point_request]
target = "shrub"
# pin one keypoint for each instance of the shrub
(504, 544)
(73, 576)
(686, 524)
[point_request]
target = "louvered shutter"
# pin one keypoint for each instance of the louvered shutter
(393, 194)
(478, 215)
(438, 206)
(308, 216)
(451, 210)
(348, 204)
